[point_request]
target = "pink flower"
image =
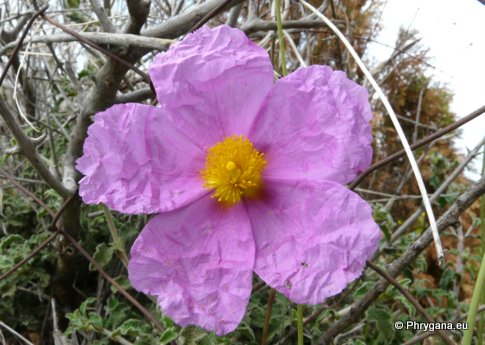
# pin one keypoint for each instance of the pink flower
(244, 175)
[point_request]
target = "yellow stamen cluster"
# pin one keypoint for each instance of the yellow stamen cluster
(233, 169)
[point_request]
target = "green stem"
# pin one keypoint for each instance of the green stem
(279, 25)
(117, 241)
(481, 323)
(281, 41)
(299, 315)
(472, 312)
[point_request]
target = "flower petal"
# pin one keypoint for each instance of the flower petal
(312, 238)
(135, 161)
(315, 124)
(198, 261)
(213, 82)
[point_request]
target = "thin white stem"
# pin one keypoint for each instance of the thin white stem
(395, 121)
(17, 80)
(295, 49)
(14, 332)
(266, 39)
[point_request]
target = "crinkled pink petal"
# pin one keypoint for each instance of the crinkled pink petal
(315, 125)
(312, 238)
(213, 83)
(198, 261)
(135, 161)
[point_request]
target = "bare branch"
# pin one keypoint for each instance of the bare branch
(214, 12)
(257, 24)
(400, 49)
(14, 332)
(17, 47)
(112, 55)
(135, 96)
(181, 24)
(418, 144)
(139, 10)
(234, 15)
(10, 35)
(102, 16)
(418, 114)
(26, 191)
(114, 39)
(442, 188)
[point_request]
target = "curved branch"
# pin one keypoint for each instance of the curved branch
(28, 147)
(184, 22)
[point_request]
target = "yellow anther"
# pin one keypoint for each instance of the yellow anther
(233, 169)
(230, 166)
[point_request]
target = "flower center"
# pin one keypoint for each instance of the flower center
(233, 169)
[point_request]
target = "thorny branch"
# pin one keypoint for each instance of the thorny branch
(418, 144)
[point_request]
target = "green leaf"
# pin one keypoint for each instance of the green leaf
(245, 330)
(191, 335)
(169, 335)
(383, 319)
(441, 201)
(168, 322)
(72, 3)
(358, 342)
(408, 305)
(384, 218)
(447, 279)
(131, 327)
(123, 281)
(210, 340)
(102, 255)
(434, 181)
(6, 262)
(6, 242)
(96, 320)
(10, 292)
(362, 290)
(85, 305)
(118, 312)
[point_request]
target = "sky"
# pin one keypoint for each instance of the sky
(455, 33)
